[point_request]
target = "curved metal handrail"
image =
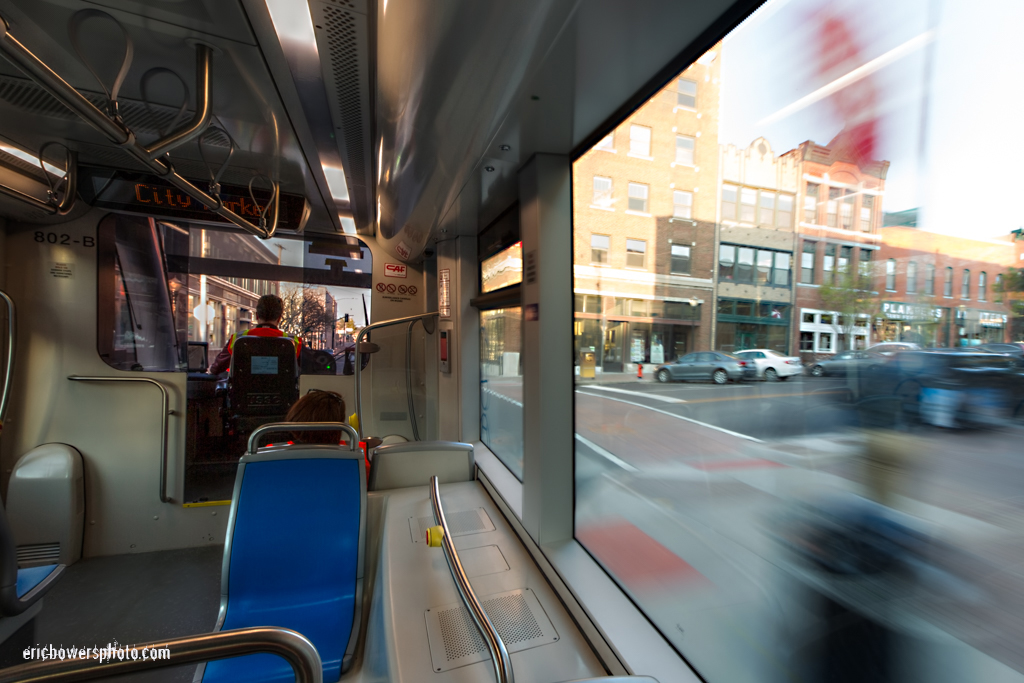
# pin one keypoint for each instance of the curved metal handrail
(302, 427)
(120, 135)
(51, 205)
(291, 646)
(12, 338)
(359, 363)
(166, 412)
(499, 655)
(204, 108)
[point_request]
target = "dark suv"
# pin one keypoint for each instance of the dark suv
(952, 388)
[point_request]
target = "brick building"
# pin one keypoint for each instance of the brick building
(839, 219)
(754, 274)
(939, 290)
(645, 204)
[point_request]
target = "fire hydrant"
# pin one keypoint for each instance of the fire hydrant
(639, 370)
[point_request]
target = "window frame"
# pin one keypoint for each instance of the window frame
(642, 251)
(890, 275)
(630, 197)
(633, 140)
(672, 259)
(676, 204)
(680, 94)
(965, 285)
(682, 148)
(603, 199)
(605, 249)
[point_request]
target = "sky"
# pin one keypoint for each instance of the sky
(947, 98)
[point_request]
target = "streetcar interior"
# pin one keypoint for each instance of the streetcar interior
(554, 340)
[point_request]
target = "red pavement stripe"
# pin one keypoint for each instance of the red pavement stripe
(636, 559)
(750, 463)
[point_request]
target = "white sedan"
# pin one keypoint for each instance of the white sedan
(771, 365)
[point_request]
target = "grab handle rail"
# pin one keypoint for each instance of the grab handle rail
(120, 135)
(12, 338)
(353, 435)
(165, 413)
(359, 364)
(499, 655)
(291, 646)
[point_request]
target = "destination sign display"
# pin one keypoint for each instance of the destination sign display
(153, 196)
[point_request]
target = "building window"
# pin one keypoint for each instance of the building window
(607, 143)
(784, 216)
(638, 197)
(845, 256)
(636, 251)
(834, 195)
(764, 267)
(867, 210)
(965, 286)
(929, 279)
(682, 204)
(685, 146)
(807, 341)
(726, 262)
(982, 286)
(865, 262)
(811, 203)
(846, 211)
(599, 245)
(890, 275)
(748, 265)
(766, 209)
(829, 263)
(912, 277)
(686, 93)
(729, 197)
(680, 259)
(640, 141)
(807, 263)
(748, 204)
(602, 192)
(780, 273)
(947, 287)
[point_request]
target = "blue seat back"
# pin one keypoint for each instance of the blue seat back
(294, 555)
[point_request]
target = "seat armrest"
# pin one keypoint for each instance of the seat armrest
(12, 605)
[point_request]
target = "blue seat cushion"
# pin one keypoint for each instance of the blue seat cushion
(32, 577)
(294, 552)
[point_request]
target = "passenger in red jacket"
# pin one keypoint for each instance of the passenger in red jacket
(269, 311)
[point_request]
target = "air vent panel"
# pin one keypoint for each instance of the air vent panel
(517, 615)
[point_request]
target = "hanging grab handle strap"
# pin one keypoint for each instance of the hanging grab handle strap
(270, 202)
(54, 188)
(215, 177)
(144, 87)
(74, 28)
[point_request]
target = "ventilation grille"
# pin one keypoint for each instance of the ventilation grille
(340, 24)
(460, 523)
(517, 616)
(39, 554)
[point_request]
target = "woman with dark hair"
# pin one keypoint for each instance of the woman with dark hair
(319, 405)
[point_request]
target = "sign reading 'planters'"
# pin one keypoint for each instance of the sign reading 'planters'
(894, 310)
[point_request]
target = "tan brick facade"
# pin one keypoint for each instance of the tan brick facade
(649, 309)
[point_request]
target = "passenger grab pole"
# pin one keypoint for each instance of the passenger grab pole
(499, 654)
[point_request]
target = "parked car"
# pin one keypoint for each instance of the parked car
(715, 366)
(771, 365)
(842, 363)
(889, 348)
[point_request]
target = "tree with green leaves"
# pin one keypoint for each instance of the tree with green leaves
(850, 295)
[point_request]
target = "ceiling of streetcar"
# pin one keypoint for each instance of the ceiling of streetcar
(407, 119)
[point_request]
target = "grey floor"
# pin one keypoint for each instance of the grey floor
(134, 599)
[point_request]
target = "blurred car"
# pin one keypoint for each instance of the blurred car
(715, 366)
(889, 348)
(1014, 350)
(953, 388)
(842, 363)
(771, 365)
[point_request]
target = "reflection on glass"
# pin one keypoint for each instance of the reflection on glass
(849, 510)
(501, 385)
(503, 269)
